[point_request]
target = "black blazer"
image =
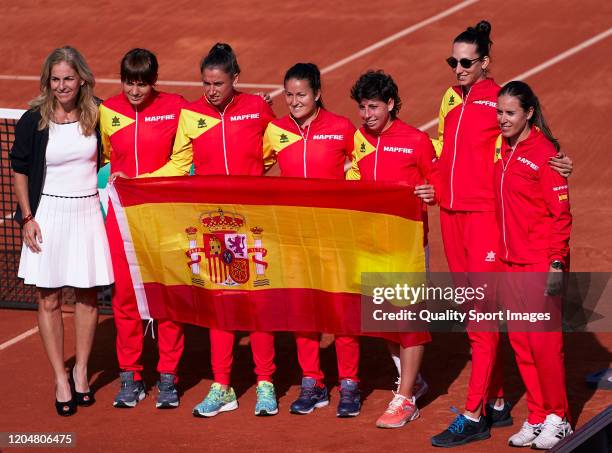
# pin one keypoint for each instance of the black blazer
(28, 156)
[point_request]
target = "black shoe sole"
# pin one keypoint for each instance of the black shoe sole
(123, 406)
(467, 440)
(265, 414)
(502, 423)
(350, 415)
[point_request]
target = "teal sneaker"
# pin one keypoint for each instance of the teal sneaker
(266, 399)
(216, 401)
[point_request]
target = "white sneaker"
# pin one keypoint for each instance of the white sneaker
(526, 436)
(553, 430)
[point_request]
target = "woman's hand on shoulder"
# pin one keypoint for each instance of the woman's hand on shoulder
(562, 164)
(266, 97)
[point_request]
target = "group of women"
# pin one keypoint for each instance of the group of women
(144, 132)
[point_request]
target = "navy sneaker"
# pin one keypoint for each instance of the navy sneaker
(167, 398)
(311, 396)
(497, 419)
(350, 399)
(131, 391)
(462, 431)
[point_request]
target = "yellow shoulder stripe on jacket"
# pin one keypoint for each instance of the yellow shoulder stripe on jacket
(450, 100)
(195, 124)
(280, 138)
(111, 121)
(498, 146)
(362, 146)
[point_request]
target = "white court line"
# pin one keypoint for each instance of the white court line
(18, 338)
(24, 335)
(389, 40)
(541, 67)
(172, 83)
(11, 114)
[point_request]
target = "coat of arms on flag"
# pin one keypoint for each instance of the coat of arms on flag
(225, 260)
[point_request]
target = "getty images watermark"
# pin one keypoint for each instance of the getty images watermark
(537, 302)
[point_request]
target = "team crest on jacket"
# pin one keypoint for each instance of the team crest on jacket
(224, 257)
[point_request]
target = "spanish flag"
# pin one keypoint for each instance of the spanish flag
(263, 253)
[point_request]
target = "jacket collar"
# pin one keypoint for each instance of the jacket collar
(317, 119)
(232, 101)
(534, 135)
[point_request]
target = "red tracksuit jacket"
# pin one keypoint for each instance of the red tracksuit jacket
(467, 131)
(221, 143)
(400, 153)
(318, 151)
(139, 141)
(532, 203)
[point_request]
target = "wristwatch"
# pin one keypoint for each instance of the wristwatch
(557, 264)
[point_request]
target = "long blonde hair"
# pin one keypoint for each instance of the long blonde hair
(46, 103)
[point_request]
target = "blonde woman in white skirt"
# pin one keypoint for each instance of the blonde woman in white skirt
(55, 157)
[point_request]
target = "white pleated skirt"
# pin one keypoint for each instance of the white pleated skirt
(74, 249)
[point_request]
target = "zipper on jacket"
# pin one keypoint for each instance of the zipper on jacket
(376, 158)
(136, 142)
(305, 146)
(304, 139)
(463, 103)
(501, 197)
(223, 137)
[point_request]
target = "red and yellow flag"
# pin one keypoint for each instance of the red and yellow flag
(263, 253)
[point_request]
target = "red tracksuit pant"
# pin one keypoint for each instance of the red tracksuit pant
(222, 356)
(539, 355)
(470, 244)
(130, 333)
(347, 352)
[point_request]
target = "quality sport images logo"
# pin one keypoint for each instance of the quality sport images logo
(224, 257)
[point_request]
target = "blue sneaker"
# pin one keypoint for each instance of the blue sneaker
(216, 401)
(266, 399)
(350, 399)
(167, 398)
(311, 396)
(131, 391)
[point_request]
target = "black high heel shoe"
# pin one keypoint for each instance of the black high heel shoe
(66, 408)
(82, 399)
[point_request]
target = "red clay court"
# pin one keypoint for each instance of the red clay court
(559, 48)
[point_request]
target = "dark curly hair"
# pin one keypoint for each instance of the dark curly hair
(377, 85)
